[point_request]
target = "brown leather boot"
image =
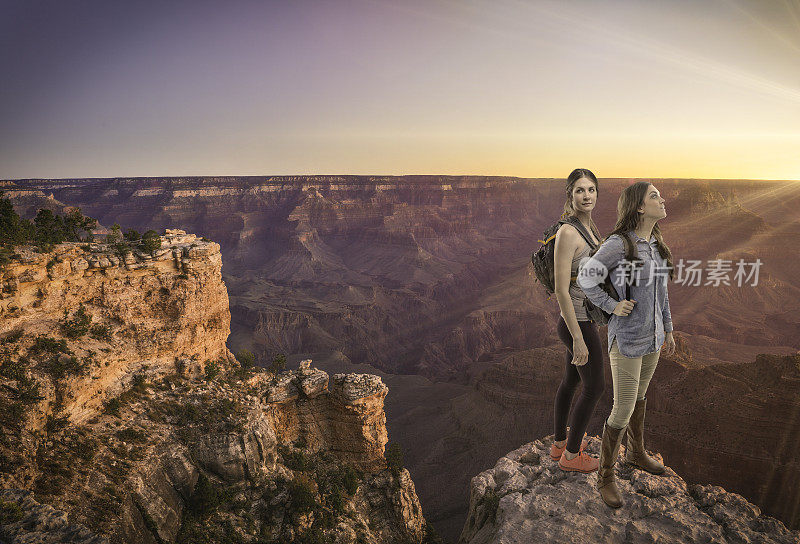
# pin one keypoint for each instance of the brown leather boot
(634, 444)
(609, 449)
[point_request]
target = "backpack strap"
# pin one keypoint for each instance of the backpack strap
(632, 256)
(571, 220)
(580, 228)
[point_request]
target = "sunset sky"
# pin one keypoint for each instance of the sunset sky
(702, 89)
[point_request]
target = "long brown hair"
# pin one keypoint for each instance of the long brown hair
(628, 218)
(573, 177)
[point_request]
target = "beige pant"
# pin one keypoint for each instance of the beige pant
(631, 378)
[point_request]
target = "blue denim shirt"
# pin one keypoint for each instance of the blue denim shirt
(643, 330)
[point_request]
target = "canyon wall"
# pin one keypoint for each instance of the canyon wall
(125, 418)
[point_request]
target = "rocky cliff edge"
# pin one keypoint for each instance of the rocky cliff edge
(527, 498)
(126, 419)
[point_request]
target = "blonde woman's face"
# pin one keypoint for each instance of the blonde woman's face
(653, 206)
(584, 195)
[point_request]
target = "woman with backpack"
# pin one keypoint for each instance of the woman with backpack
(584, 359)
(637, 328)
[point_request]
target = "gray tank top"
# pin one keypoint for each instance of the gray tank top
(576, 293)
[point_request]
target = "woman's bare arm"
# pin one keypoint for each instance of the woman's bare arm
(567, 241)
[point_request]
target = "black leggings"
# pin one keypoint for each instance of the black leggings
(591, 374)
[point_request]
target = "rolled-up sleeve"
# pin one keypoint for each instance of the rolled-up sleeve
(594, 271)
(665, 313)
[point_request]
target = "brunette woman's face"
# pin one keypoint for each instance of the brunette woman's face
(653, 206)
(584, 195)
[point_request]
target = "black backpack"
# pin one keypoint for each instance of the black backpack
(543, 259)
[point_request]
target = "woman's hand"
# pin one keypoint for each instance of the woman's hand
(669, 344)
(580, 353)
(624, 307)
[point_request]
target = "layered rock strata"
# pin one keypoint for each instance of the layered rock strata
(125, 418)
(184, 458)
(149, 311)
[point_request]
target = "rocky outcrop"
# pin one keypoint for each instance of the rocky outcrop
(148, 312)
(527, 498)
(23, 519)
(343, 415)
(124, 413)
(182, 456)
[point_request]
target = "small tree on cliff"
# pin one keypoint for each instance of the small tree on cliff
(13, 229)
(246, 359)
(115, 236)
(77, 224)
(151, 241)
(278, 363)
(132, 236)
(49, 229)
(394, 458)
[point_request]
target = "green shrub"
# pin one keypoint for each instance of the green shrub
(207, 497)
(246, 359)
(132, 235)
(302, 495)
(78, 325)
(45, 344)
(100, 332)
(394, 458)
(10, 512)
(151, 241)
(27, 390)
(115, 236)
(85, 448)
(13, 370)
(294, 459)
(63, 366)
(212, 370)
(278, 363)
(120, 249)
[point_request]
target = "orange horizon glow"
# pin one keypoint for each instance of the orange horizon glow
(374, 87)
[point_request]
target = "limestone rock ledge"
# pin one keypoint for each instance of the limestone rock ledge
(527, 498)
(25, 520)
(177, 445)
(158, 310)
(343, 415)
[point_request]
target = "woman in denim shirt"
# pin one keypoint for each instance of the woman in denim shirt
(637, 328)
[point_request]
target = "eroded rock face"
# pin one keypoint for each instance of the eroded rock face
(344, 415)
(527, 498)
(172, 307)
(180, 449)
(151, 432)
(25, 520)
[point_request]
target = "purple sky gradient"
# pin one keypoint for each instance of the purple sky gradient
(626, 88)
